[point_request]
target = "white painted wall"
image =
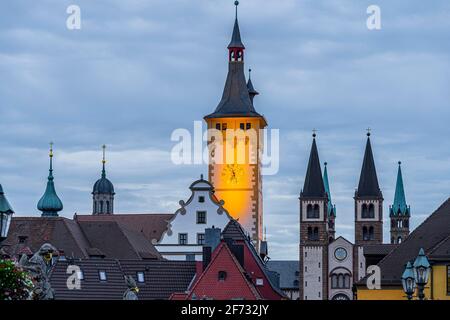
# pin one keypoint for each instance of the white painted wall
(185, 221)
(312, 273)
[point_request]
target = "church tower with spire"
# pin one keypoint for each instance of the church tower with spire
(235, 144)
(103, 192)
(368, 202)
(315, 233)
(50, 204)
(399, 212)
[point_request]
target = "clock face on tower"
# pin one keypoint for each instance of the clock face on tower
(340, 254)
(232, 173)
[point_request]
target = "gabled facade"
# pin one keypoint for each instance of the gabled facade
(185, 236)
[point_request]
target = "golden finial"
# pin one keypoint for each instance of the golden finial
(368, 131)
(314, 133)
(51, 149)
(104, 159)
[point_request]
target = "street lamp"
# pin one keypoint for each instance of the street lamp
(422, 272)
(6, 213)
(409, 281)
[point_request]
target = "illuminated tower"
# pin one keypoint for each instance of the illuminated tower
(235, 145)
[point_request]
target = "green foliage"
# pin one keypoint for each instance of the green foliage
(15, 283)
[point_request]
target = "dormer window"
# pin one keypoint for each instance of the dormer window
(222, 275)
(22, 239)
(259, 282)
(140, 277)
(102, 275)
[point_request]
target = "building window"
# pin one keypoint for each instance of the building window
(222, 275)
(101, 206)
(365, 234)
(107, 207)
(200, 239)
(22, 239)
(371, 211)
(364, 211)
(306, 284)
(371, 234)
(217, 126)
(259, 282)
(140, 277)
(249, 126)
(224, 126)
(182, 238)
(296, 283)
(340, 281)
(242, 126)
(201, 217)
(448, 280)
(306, 269)
(201, 199)
(309, 211)
(102, 275)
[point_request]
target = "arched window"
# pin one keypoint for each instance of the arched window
(406, 224)
(310, 233)
(309, 211)
(107, 207)
(371, 234)
(316, 234)
(101, 206)
(399, 240)
(371, 211)
(95, 207)
(340, 280)
(316, 212)
(364, 211)
(347, 281)
(365, 233)
(334, 281)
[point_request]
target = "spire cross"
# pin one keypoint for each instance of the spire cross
(314, 133)
(368, 131)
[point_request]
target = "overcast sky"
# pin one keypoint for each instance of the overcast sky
(137, 70)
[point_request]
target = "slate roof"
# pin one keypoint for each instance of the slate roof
(313, 186)
(379, 249)
(152, 226)
(288, 271)
(431, 235)
(161, 278)
(80, 238)
(236, 41)
(368, 181)
(5, 207)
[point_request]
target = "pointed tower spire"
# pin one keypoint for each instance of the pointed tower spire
(331, 207)
(236, 41)
(236, 99)
(313, 186)
(50, 204)
(251, 90)
(368, 181)
(103, 162)
(399, 207)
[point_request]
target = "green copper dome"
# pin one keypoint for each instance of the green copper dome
(5, 207)
(399, 207)
(50, 204)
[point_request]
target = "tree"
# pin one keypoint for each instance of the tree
(15, 283)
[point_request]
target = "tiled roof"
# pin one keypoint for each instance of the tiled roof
(432, 232)
(152, 226)
(313, 186)
(379, 249)
(288, 271)
(92, 288)
(162, 278)
(79, 239)
(441, 251)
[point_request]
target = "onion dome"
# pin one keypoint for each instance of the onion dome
(50, 204)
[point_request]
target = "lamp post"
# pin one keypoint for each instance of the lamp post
(409, 281)
(6, 213)
(421, 272)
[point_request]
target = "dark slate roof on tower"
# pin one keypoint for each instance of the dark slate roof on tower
(399, 207)
(314, 186)
(103, 185)
(368, 181)
(236, 41)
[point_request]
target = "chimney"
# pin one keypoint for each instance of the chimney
(212, 240)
